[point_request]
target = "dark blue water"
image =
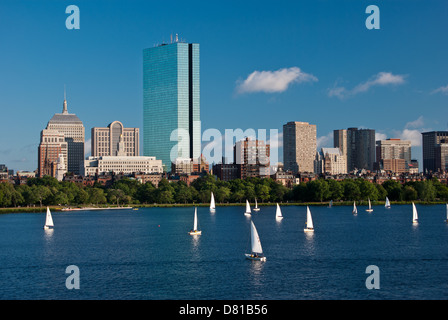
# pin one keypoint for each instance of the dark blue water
(148, 254)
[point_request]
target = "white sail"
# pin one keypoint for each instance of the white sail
(414, 213)
(447, 212)
(256, 205)
(195, 223)
(212, 203)
(387, 205)
(48, 219)
(355, 210)
(247, 208)
(309, 220)
(255, 239)
(370, 205)
(278, 212)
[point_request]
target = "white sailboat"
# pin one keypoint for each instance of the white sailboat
(355, 210)
(212, 203)
(446, 213)
(256, 206)
(195, 230)
(370, 207)
(278, 213)
(309, 221)
(414, 213)
(247, 212)
(256, 250)
(48, 220)
(330, 204)
(387, 205)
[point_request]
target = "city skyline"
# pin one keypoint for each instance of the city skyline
(268, 64)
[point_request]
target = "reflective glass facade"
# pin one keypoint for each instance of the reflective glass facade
(171, 106)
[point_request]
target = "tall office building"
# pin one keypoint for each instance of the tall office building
(358, 145)
(434, 151)
(393, 149)
(105, 141)
(299, 146)
(171, 109)
(252, 158)
(52, 146)
(73, 130)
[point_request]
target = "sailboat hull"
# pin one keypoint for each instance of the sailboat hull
(254, 258)
(194, 233)
(47, 227)
(308, 230)
(369, 210)
(256, 209)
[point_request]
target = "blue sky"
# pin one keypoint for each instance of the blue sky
(263, 63)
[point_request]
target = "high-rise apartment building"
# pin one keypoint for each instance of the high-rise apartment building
(52, 146)
(434, 151)
(171, 106)
(105, 141)
(393, 149)
(359, 145)
(299, 146)
(252, 158)
(73, 130)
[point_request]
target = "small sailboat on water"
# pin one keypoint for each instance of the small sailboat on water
(309, 221)
(212, 203)
(247, 212)
(195, 230)
(278, 213)
(387, 205)
(370, 207)
(446, 213)
(355, 210)
(414, 214)
(330, 204)
(256, 206)
(256, 249)
(48, 220)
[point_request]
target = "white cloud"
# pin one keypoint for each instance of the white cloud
(87, 148)
(415, 124)
(415, 136)
(273, 81)
(443, 90)
(380, 136)
(325, 141)
(380, 79)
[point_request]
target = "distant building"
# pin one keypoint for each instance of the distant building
(435, 157)
(171, 102)
(105, 140)
(73, 130)
(414, 167)
(226, 171)
(299, 146)
(252, 158)
(189, 166)
(121, 165)
(52, 146)
(331, 161)
(393, 149)
(360, 146)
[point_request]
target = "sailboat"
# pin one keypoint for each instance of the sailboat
(195, 230)
(414, 213)
(212, 203)
(256, 250)
(48, 220)
(309, 221)
(370, 207)
(248, 212)
(387, 205)
(446, 213)
(278, 213)
(256, 206)
(330, 204)
(355, 210)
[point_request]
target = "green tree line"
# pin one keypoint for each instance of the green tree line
(49, 191)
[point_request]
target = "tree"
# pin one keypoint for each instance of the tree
(393, 189)
(351, 190)
(336, 190)
(318, 190)
(96, 195)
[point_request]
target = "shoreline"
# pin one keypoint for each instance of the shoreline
(174, 205)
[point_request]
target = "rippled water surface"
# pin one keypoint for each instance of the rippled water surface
(148, 254)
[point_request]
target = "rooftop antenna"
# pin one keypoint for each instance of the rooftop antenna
(177, 38)
(171, 37)
(64, 105)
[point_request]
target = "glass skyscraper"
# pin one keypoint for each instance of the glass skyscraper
(171, 109)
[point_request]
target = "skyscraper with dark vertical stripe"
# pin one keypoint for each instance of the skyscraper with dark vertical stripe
(171, 106)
